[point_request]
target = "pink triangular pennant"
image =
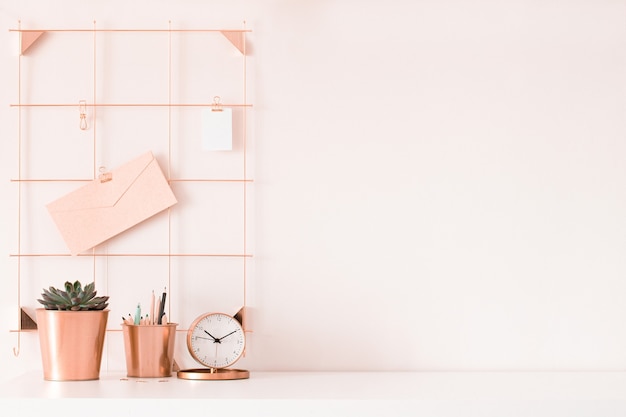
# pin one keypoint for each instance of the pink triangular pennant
(27, 39)
(236, 38)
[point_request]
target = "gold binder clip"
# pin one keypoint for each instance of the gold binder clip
(105, 176)
(82, 109)
(217, 106)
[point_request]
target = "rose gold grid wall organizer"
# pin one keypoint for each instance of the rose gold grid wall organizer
(30, 37)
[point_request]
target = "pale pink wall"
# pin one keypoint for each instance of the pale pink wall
(438, 184)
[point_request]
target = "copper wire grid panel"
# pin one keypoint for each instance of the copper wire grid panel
(29, 37)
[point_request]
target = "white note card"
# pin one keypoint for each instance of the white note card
(217, 130)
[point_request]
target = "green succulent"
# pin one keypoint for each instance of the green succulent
(74, 298)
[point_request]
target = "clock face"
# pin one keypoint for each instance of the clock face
(216, 340)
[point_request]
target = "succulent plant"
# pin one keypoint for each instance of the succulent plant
(74, 298)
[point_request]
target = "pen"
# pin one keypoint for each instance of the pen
(162, 309)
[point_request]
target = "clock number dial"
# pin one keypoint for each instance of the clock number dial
(216, 340)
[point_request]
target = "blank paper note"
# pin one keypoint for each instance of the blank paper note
(217, 130)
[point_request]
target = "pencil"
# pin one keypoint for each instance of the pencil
(151, 321)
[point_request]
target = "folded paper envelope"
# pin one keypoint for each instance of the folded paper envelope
(108, 206)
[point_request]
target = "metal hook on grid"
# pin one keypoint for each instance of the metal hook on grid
(104, 175)
(82, 109)
(16, 350)
(217, 106)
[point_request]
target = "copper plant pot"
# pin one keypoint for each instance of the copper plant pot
(71, 343)
(149, 349)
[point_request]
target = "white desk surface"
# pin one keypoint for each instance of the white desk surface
(502, 394)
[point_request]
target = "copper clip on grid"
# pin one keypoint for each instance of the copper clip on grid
(217, 106)
(105, 176)
(82, 109)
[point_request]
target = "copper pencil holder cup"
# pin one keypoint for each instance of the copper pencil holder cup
(149, 349)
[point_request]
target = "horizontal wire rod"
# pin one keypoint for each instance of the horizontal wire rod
(133, 30)
(214, 255)
(108, 330)
(171, 180)
(128, 105)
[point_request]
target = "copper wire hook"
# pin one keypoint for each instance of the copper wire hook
(82, 108)
(104, 175)
(217, 106)
(16, 350)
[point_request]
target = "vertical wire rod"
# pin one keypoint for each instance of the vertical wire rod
(245, 191)
(16, 350)
(169, 169)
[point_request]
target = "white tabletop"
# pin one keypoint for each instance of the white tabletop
(601, 394)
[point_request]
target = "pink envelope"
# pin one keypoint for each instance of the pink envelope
(112, 204)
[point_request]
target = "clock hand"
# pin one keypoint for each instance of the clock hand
(224, 337)
(215, 340)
